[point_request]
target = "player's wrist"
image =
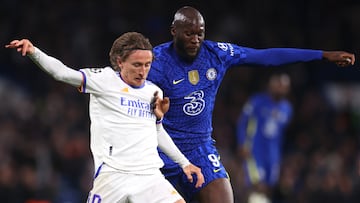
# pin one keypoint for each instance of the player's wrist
(159, 120)
(185, 163)
(34, 54)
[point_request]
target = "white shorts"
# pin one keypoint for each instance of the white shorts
(116, 187)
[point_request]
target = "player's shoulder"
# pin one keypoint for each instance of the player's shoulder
(162, 55)
(221, 49)
(148, 82)
(259, 96)
(286, 104)
(217, 45)
(150, 85)
(210, 43)
(164, 47)
(106, 69)
(98, 71)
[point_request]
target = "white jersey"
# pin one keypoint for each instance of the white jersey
(123, 130)
(124, 135)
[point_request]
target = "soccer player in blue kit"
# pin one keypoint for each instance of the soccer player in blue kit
(190, 69)
(260, 131)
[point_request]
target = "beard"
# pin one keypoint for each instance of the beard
(188, 54)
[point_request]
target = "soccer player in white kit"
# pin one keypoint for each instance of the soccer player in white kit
(125, 112)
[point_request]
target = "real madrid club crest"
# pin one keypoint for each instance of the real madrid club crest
(96, 70)
(211, 74)
(193, 77)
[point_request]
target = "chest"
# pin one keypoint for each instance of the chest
(124, 100)
(182, 80)
(274, 113)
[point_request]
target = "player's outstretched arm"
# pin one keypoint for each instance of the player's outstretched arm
(49, 64)
(340, 58)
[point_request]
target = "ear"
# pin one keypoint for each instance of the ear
(173, 31)
(119, 63)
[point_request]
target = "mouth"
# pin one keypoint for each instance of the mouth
(192, 50)
(139, 79)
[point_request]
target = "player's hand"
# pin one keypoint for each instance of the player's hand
(192, 169)
(23, 46)
(160, 106)
(340, 58)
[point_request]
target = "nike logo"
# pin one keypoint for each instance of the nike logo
(177, 81)
(217, 170)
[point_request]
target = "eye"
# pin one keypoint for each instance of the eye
(147, 65)
(137, 65)
(188, 34)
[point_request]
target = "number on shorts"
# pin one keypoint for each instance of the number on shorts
(94, 198)
(214, 160)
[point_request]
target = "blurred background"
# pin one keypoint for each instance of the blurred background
(44, 124)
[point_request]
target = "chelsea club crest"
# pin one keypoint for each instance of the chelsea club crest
(211, 74)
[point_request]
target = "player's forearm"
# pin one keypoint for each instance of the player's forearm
(56, 68)
(168, 146)
(281, 56)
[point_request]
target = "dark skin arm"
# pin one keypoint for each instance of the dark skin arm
(340, 58)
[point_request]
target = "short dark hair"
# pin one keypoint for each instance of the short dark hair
(124, 45)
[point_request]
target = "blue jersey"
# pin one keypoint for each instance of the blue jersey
(262, 124)
(260, 129)
(192, 87)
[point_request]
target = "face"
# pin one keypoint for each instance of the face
(135, 68)
(188, 37)
(279, 86)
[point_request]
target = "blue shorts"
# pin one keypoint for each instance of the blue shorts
(206, 157)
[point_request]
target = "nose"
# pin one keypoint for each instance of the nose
(195, 39)
(143, 69)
